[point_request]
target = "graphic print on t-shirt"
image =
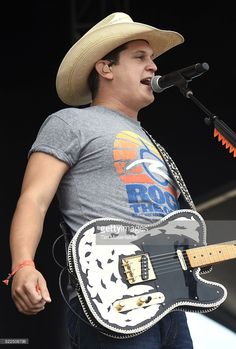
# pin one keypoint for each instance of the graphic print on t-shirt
(150, 190)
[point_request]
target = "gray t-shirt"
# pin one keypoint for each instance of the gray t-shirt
(115, 170)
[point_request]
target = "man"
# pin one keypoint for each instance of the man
(96, 160)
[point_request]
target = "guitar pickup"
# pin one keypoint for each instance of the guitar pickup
(141, 301)
(138, 268)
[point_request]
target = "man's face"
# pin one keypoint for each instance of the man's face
(132, 75)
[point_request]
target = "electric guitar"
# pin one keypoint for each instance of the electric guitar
(129, 276)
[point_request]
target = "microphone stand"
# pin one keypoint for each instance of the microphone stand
(222, 131)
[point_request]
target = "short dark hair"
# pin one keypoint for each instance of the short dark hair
(113, 57)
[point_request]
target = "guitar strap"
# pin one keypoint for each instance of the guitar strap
(174, 171)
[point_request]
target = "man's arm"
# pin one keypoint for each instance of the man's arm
(42, 177)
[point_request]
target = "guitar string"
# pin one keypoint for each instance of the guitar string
(164, 258)
(167, 256)
(167, 262)
(167, 271)
(159, 267)
(167, 268)
(155, 256)
(168, 265)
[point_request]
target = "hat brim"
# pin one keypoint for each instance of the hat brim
(72, 77)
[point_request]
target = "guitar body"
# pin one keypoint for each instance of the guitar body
(130, 276)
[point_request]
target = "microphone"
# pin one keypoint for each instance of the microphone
(160, 83)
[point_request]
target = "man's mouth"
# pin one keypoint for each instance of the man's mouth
(146, 81)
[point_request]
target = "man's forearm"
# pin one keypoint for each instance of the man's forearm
(26, 230)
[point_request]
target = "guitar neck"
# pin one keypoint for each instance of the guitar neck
(212, 254)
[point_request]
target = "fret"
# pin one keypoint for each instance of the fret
(208, 255)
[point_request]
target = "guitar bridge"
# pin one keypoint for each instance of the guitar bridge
(138, 268)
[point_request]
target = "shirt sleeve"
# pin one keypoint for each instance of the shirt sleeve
(57, 138)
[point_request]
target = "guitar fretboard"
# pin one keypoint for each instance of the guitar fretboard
(208, 255)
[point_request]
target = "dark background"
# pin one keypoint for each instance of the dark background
(35, 38)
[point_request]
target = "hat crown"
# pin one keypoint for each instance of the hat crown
(114, 18)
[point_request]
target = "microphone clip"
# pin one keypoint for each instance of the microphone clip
(182, 84)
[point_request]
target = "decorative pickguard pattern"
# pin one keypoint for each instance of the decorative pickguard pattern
(97, 250)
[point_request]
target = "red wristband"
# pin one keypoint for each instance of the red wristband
(18, 267)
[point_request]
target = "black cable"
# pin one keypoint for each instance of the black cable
(64, 297)
(53, 249)
(63, 268)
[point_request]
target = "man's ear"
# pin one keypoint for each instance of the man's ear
(104, 69)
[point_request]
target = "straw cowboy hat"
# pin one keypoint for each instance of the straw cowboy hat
(111, 32)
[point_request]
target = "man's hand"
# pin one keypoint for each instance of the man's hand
(29, 291)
